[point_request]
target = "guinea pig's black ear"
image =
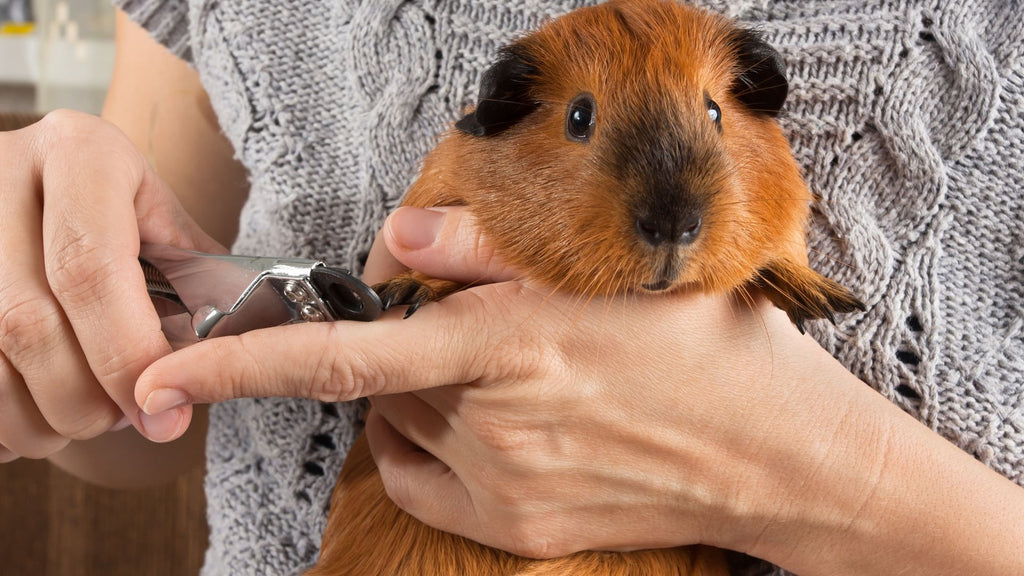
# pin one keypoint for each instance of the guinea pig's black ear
(761, 84)
(504, 97)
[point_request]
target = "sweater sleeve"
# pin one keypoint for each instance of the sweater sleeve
(165, 20)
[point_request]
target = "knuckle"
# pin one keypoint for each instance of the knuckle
(239, 367)
(528, 538)
(115, 364)
(58, 121)
(76, 267)
(337, 381)
(27, 325)
(118, 361)
(65, 128)
(397, 489)
(499, 437)
(483, 249)
(62, 117)
(86, 425)
(72, 138)
(342, 377)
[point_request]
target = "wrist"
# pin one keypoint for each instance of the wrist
(811, 458)
(861, 487)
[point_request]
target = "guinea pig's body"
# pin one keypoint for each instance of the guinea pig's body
(630, 146)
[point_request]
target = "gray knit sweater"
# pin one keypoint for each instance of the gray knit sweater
(907, 117)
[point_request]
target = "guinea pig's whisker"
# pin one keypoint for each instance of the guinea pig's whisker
(744, 293)
(719, 222)
(518, 102)
(757, 201)
(583, 300)
(781, 291)
(547, 298)
(754, 89)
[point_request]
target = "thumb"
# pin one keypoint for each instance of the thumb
(446, 243)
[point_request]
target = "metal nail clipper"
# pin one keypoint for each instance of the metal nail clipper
(201, 296)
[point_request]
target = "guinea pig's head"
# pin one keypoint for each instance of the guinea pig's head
(633, 146)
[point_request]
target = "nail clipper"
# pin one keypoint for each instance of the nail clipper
(201, 295)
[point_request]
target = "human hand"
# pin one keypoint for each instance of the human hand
(76, 324)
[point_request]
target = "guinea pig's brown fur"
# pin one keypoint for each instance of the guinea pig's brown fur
(630, 146)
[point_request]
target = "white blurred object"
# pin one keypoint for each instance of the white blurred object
(76, 53)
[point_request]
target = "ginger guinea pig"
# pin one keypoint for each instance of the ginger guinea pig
(630, 146)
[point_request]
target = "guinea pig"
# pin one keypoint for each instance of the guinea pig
(626, 147)
(632, 146)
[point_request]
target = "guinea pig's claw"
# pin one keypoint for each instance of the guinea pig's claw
(404, 291)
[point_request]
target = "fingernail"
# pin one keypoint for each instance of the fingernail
(162, 426)
(163, 400)
(123, 423)
(415, 228)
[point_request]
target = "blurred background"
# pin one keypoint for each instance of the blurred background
(59, 54)
(55, 54)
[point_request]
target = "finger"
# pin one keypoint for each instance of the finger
(416, 420)
(417, 482)
(444, 243)
(381, 264)
(6, 455)
(23, 429)
(445, 343)
(34, 333)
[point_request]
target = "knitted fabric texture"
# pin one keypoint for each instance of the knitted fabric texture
(906, 116)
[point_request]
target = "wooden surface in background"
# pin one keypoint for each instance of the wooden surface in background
(52, 524)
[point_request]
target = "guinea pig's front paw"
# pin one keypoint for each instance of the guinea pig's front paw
(413, 290)
(804, 294)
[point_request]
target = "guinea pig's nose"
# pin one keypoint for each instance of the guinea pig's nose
(658, 230)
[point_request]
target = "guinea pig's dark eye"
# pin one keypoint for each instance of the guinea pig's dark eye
(580, 118)
(714, 112)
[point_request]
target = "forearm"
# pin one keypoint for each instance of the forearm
(161, 105)
(125, 459)
(887, 496)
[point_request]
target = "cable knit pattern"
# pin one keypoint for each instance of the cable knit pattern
(906, 116)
